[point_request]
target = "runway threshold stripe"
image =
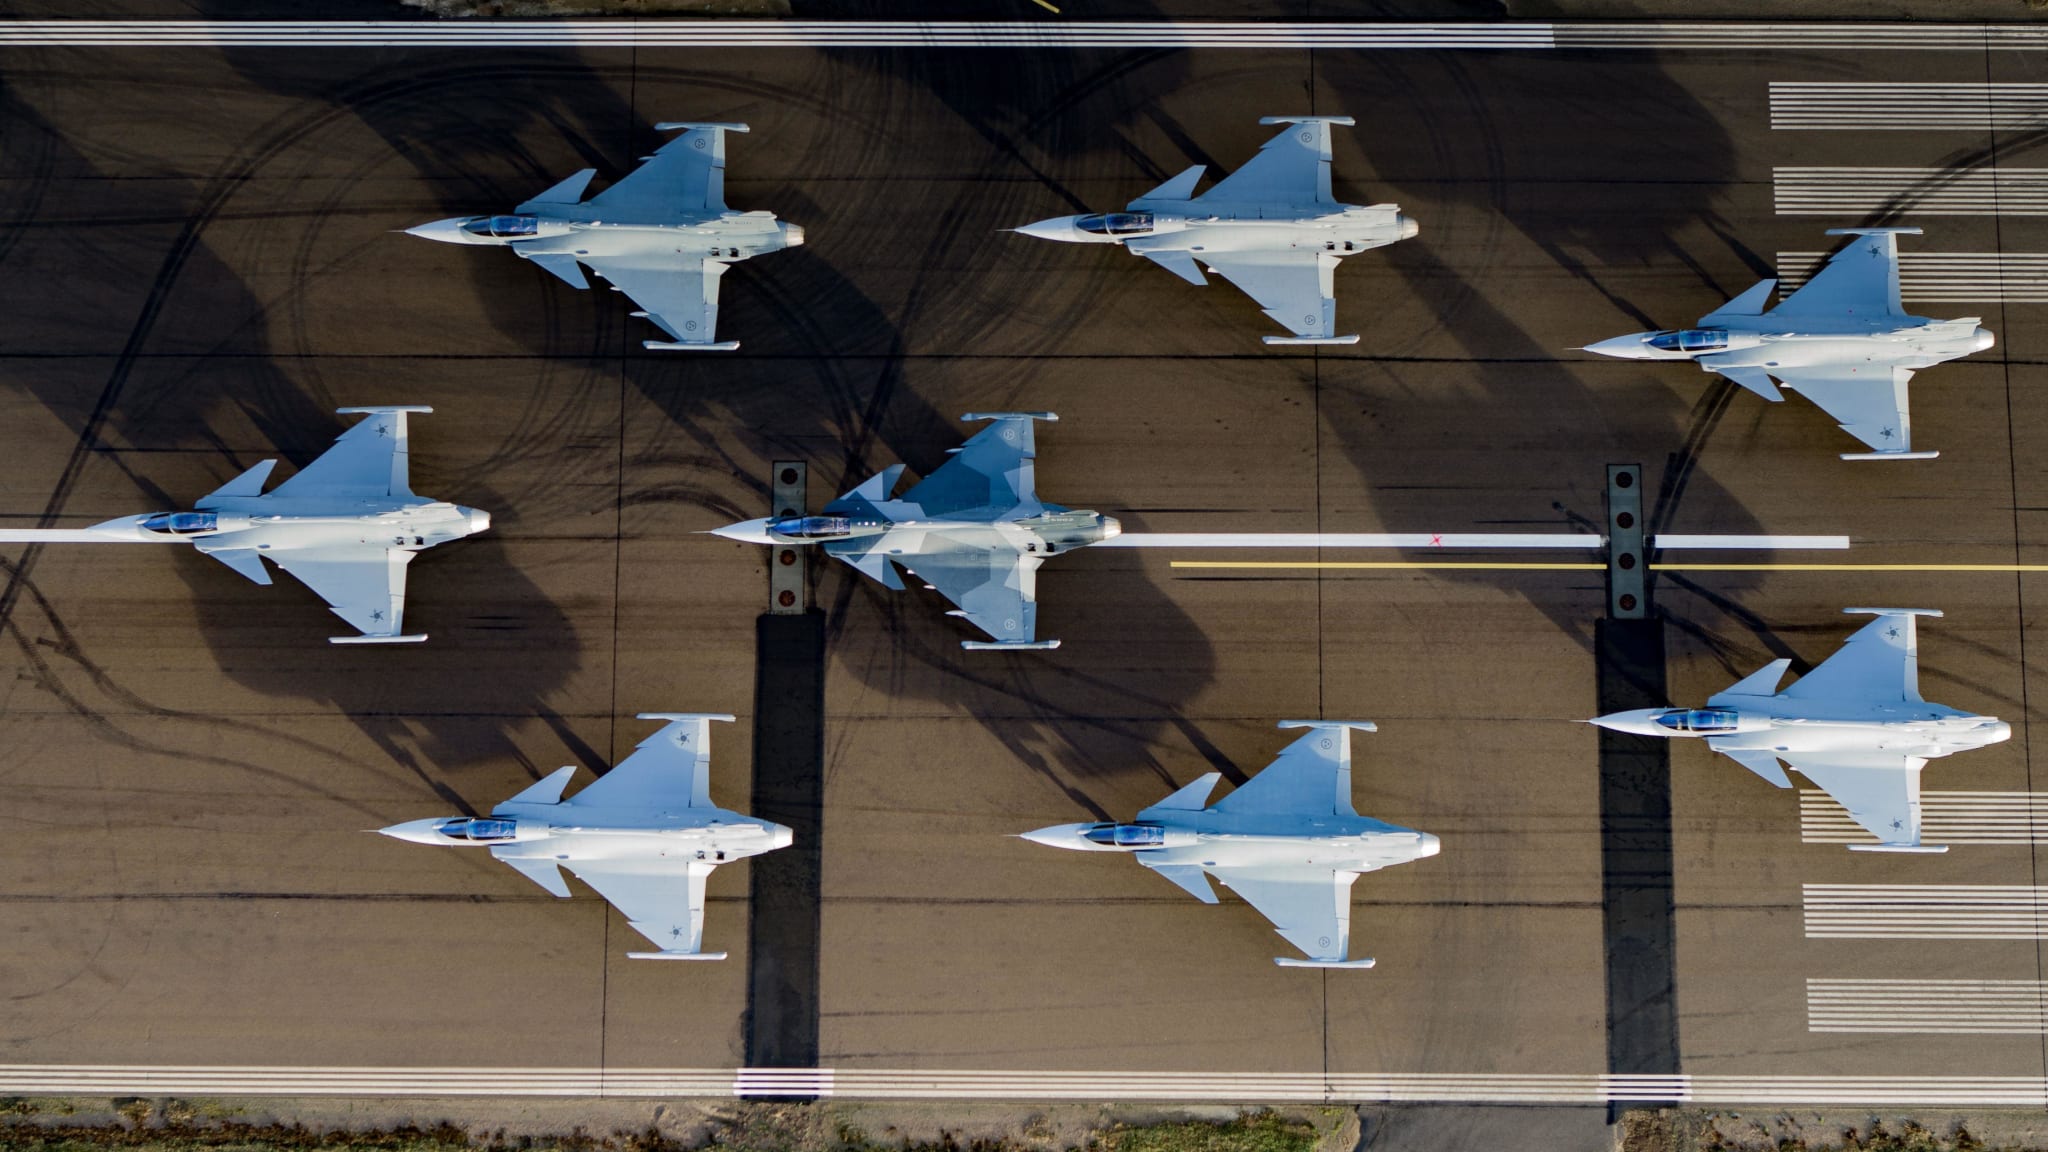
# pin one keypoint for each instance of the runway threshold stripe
(1914, 191)
(1925, 912)
(2012, 277)
(617, 33)
(1950, 1007)
(872, 1083)
(1960, 818)
(1897, 107)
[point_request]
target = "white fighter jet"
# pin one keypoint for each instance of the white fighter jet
(1842, 340)
(346, 526)
(1272, 228)
(1288, 841)
(663, 235)
(1856, 726)
(646, 835)
(974, 530)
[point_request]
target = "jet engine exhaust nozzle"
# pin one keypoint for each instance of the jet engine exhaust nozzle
(1409, 228)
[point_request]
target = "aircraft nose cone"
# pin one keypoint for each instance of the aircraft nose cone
(747, 531)
(1409, 228)
(479, 521)
(793, 235)
(1641, 722)
(447, 231)
(1057, 228)
(1630, 347)
(1057, 836)
(418, 831)
(1985, 339)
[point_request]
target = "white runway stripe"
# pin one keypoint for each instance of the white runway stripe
(1950, 1007)
(1528, 540)
(2013, 277)
(1904, 107)
(1964, 818)
(1800, 37)
(762, 34)
(1012, 34)
(872, 1083)
(1458, 540)
(1855, 192)
(1925, 912)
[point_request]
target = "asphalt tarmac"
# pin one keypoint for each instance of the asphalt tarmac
(200, 266)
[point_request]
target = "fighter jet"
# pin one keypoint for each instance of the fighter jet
(1856, 726)
(1288, 841)
(663, 235)
(974, 530)
(346, 526)
(1272, 228)
(646, 835)
(1842, 340)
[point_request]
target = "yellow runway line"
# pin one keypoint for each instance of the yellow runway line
(1512, 566)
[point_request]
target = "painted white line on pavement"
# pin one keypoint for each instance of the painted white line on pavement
(1670, 541)
(1582, 541)
(1853, 192)
(930, 1084)
(1909, 107)
(1950, 1007)
(761, 34)
(1925, 911)
(656, 33)
(1965, 818)
(1532, 540)
(1935, 277)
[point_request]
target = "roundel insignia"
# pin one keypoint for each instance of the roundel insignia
(1323, 941)
(1308, 137)
(1010, 434)
(1009, 624)
(1309, 319)
(689, 325)
(1329, 743)
(698, 143)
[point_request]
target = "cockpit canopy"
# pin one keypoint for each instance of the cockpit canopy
(1699, 720)
(1127, 835)
(479, 830)
(1116, 223)
(503, 227)
(1691, 340)
(182, 523)
(812, 527)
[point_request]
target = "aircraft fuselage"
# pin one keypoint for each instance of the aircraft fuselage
(1229, 840)
(1820, 342)
(583, 233)
(1794, 726)
(547, 832)
(267, 525)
